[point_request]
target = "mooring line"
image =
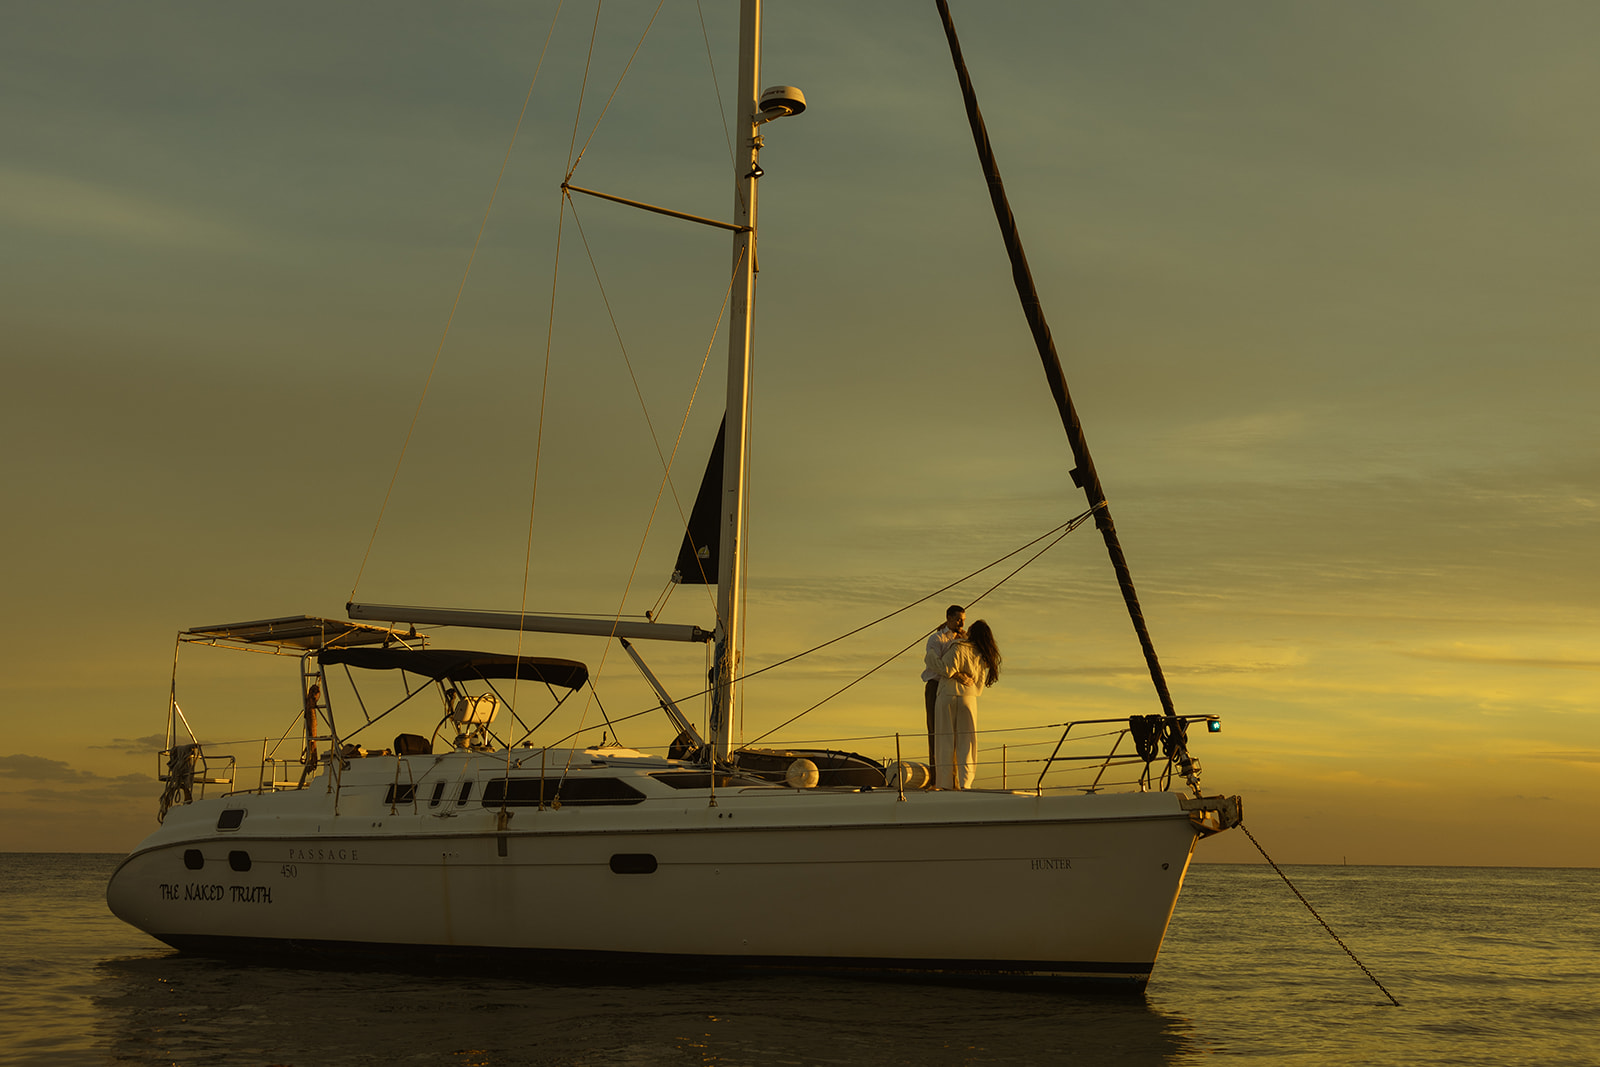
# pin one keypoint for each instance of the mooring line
(1317, 917)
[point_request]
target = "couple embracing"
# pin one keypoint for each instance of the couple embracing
(958, 666)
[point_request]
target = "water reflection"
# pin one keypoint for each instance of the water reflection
(1493, 966)
(193, 1010)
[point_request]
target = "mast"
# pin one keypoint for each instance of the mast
(730, 577)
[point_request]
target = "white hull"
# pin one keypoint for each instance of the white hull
(1075, 886)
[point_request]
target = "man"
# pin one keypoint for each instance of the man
(953, 629)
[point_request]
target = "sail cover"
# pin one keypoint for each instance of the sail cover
(697, 558)
(452, 665)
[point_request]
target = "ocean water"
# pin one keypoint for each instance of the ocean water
(1490, 965)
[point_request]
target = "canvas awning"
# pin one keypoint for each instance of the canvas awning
(453, 665)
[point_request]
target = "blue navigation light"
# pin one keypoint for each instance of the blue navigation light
(1213, 726)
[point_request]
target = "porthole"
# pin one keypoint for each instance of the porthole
(238, 860)
(192, 859)
(633, 863)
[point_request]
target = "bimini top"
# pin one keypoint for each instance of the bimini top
(457, 665)
(303, 632)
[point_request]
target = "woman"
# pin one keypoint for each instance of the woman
(969, 666)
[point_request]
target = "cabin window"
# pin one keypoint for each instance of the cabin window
(702, 780)
(633, 863)
(239, 861)
(527, 792)
(230, 819)
(401, 793)
(466, 791)
(192, 859)
(438, 792)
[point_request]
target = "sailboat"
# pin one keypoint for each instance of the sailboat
(474, 839)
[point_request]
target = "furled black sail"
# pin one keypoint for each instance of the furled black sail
(697, 558)
(1083, 474)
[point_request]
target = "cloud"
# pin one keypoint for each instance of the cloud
(59, 204)
(39, 769)
(137, 746)
(85, 784)
(1506, 661)
(1138, 669)
(1573, 756)
(1250, 434)
(93, 787)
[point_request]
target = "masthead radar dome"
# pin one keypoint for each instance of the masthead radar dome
(782, 99)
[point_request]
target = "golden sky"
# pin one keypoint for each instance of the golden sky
(1320, 276)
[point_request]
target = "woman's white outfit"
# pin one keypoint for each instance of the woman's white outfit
(955, 717)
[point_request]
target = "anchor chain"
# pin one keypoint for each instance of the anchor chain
(1317, 917)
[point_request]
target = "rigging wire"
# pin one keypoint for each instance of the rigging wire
(716, 86)
(583, 89)
(1064, 530)
(667, 462)
(661, 599)
(572, 163)
(573, 160)
(615, 739)
(666, 482)
(455, 304)
(538, 452)
(566, 200)
(1058, 533)
(611, 722)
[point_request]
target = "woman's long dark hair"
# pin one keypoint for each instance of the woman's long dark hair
(982, 639)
